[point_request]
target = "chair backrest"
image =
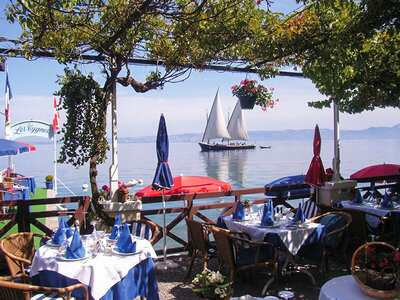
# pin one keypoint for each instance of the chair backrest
(224, 246)
(18, 249)
(10, 290)
(336, 225)
(358, 227)
(196, 232)
(310, 209)
(145, 229)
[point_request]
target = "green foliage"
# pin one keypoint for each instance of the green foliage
(84, 130)
(49, 178)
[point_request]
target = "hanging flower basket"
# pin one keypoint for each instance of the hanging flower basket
(250, 93)
(247, 102)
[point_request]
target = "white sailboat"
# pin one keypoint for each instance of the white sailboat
(216, 129)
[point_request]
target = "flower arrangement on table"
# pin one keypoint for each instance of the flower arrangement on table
(380, 264)
(122, 192)
(212, 285)
(249, 89)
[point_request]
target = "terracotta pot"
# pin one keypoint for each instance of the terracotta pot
(247, 102)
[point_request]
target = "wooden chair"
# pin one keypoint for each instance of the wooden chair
(337, 225)
(10, 290)
(18, 249)
(14, 196)
(242, 254)
(199, 241)
(145, 229)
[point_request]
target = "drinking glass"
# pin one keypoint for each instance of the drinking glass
(94, 233)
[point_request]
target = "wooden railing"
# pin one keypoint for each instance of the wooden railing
(191, 209)
(20, 213)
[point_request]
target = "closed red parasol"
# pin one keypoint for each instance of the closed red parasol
(316, 173)
(377, 170)
(188, 185)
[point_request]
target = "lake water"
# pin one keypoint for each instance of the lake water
(242, 168)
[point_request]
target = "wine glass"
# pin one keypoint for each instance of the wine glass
(65, 244)
(94, 232)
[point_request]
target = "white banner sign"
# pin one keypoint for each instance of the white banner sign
(31, 128)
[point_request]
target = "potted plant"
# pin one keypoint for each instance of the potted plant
(104, 193)
(122, 192)
(249, 94)
(212, 285)
(380, 264)
(49, 182)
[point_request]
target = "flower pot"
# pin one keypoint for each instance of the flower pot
(49, 185)
(383, 280)
(123, 197)
(247, 102)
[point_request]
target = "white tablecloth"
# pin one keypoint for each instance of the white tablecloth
(342, 288)
(100, 273)
(371, 208)
(292, 238)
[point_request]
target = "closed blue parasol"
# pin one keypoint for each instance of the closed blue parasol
(163, 177)
(8, 147)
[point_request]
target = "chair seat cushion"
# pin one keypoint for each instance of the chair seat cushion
(333, 222)
(246, 256)
(47, 296)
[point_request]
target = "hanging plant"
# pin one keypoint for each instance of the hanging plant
(250, 94)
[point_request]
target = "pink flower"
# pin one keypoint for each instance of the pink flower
(264, 108)
(105, 188)
(277, 100)
(271, 89)
(234, 87)
(254, 90)
(295, 20)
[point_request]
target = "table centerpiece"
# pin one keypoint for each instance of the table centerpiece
(212, 285)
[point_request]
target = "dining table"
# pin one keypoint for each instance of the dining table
(287, 236)
(16, 193)
(108, 274)
(343, 288)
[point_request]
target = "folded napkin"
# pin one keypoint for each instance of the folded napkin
(63, 224)
(267, 219)
(76, 249)
(59, 237)
(271, 207)
(238, 214)
(299, 216)
(63, 232)
(115, 229)
(124, 243)
(357, 199)
(386, 202)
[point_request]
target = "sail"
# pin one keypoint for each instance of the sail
(216, 126)
(237, 126)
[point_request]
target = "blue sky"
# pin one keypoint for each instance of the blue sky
(183, 104)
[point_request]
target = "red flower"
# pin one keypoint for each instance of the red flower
(254, 90)
(370, 250)
(277, 100)
(234, 87)
(258, 2)
(271, 89)
(295, 20)
(290, 24)
(247, 87)
(372, 265)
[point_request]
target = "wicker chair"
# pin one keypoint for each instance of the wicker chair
(145, 229)
(337, 225)
(10, 290)
(199, 241)
(18, 249)
(242, 254)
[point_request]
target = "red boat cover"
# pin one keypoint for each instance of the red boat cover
(188, 185)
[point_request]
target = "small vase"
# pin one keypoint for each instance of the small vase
(247, 102)
(49, 185)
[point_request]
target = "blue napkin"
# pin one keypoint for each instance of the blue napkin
(238, 214)
(299, 216)
(271, 207)
(267, 219)
(115, 229)
(357, 199)
(124, 243)
(59, 237)
(386, 202)
(63, 224)
(76, 249)
(61, 234)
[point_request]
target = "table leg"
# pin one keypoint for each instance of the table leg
(290, 267)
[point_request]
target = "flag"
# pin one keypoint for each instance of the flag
(56, 118)
(7, 102)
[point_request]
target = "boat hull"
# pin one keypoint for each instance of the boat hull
(223, 147)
